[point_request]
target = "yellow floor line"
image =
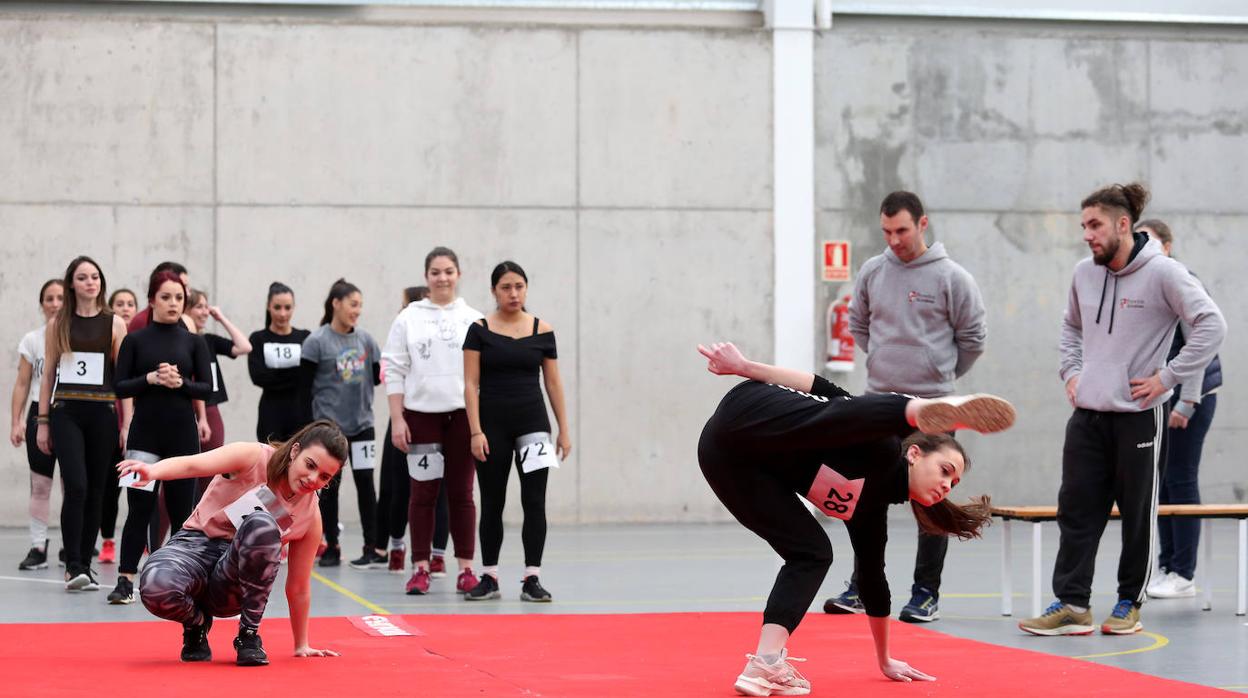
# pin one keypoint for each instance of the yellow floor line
(351, 595)
(1159, 641)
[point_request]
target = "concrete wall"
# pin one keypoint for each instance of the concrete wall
(1002, 129)
(627, 170)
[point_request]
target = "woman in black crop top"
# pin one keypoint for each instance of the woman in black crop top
(504, 354)
(785, 432)
(77, 417)
(163, 367)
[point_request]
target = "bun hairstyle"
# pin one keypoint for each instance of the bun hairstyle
(322, 432)
(276, 288)
(1130, 199)
(341, 289)
(945, 518)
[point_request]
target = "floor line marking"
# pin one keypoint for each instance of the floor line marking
(31, 579)
(351, 595)
(1159, 641)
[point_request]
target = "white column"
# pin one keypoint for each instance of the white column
(793, 70)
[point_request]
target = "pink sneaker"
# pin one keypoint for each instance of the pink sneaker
(418, 585)
(780, 679)
(108, 552)
(467, 580)
(398, 560)
(437, 567)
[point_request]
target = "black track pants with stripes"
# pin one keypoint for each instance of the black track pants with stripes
(193, 575)
(1109, 458)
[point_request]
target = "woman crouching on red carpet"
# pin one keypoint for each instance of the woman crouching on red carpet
(786, 431)
(225, 559)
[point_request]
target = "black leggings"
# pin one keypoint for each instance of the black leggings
(395, 493)
(84, 438)
(112, 500)
(501, 431)
(760, 493)
(164, 435)
(365, 495)
(278, 417)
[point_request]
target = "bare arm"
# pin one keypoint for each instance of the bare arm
(230, 458)
(724, 359)
(21, 393)
(299, 589)
(242, 345)
(51, 359)
(554, 389)
(472, 403)
(894, 669)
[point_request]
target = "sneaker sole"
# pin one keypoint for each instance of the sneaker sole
(26, 568)
(1106, 630)
(747, 686)
(534, 599)
(1062, 630)
(983, 413)
(416, 592)
(491, 595)
(841, 609)
(1168, 595)
(252, 662)
(916, 618)
(80, 583)
(437, 575)
(122, 601)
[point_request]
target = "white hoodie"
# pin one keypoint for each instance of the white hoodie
(424, 355)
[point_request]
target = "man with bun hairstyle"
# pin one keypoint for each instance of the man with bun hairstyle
(1125, 303)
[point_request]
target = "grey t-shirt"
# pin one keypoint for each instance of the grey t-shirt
(343, 387)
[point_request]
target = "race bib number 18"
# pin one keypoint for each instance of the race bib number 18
(282, 355)
(535, 452)
(835, 496)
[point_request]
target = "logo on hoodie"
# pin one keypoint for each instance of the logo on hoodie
(1125, 303)
(918, 297)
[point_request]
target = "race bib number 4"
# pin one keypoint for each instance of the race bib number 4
(282, 355)
(425, 462)
(362, 455)
(535, 452)
(834, 495)
(82, 368)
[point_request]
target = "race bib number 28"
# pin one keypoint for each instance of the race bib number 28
(834, 495)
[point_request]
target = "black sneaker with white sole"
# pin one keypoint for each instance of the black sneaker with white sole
(123, 593)
(250, 649)
(370, 559)
(532, 590)
(36, 559)
(80, 578)
(486, 588)
(195, 641)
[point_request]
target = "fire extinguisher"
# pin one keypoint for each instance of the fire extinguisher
(840, 341)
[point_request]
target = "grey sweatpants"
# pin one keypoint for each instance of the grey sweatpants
(193, 575)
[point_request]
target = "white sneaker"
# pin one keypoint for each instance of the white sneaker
(780, 679)
(982, 413)
(1172, 586)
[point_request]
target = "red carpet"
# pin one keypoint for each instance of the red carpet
(538, 655)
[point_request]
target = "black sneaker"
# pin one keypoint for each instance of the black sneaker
(922, 607)
(250, 648)
(195, 646)
(332, 557)
(370, 559)
(36, 559)
(123, 593)
(847, 602)
(532, 590)
(79, 578)
(486, 588)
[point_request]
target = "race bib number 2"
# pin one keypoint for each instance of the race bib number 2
(536, 452)
(834, 495)
(282, 355)
(82, 368)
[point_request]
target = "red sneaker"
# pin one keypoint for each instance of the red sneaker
(418, 585)
(108, 552)
(398, 560)
(467, 580)
(437, 567)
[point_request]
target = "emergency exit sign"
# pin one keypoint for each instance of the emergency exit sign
(836, 260)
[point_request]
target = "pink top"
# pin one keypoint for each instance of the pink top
(210, 516)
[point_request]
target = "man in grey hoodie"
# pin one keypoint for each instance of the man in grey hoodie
(1125, 302)
(920, 318)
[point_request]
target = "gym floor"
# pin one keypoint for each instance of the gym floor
(722, 567)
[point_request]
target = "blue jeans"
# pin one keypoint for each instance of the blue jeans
(1180, 485)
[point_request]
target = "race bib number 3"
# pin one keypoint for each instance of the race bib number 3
(82, 368)
(535, 452)
(282, 355)
(362, 455)
(425, 463)
(835, 496)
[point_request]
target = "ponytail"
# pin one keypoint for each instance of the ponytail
(944, 518)
(276, 288)
(341, 289)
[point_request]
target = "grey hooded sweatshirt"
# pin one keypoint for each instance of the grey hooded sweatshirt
(921, 323)
(1119, 325)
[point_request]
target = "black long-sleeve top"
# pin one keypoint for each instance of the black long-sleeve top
(144, 351)
(276, 382)
(796, 433)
